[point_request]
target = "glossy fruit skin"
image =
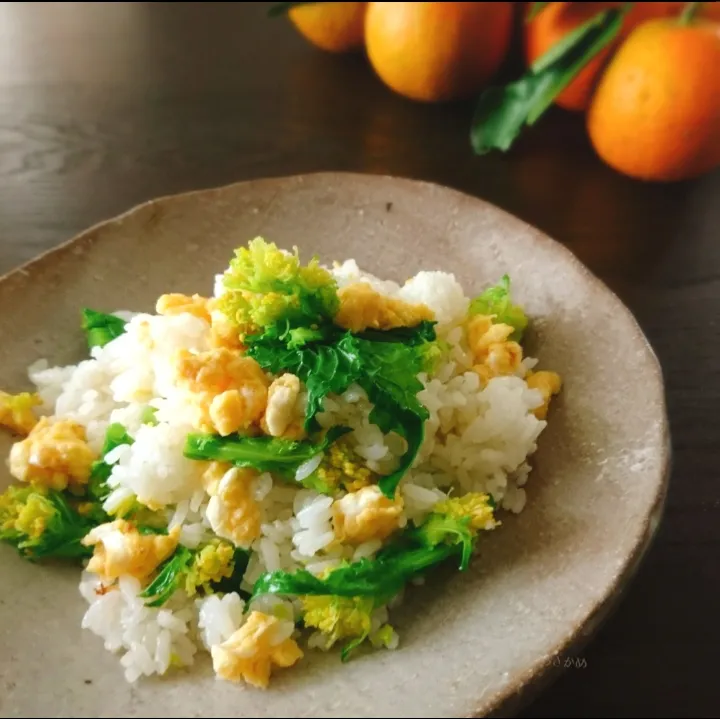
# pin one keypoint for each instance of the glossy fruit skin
(560, 18)
(332, 26)
(437, 51)
(656, 112)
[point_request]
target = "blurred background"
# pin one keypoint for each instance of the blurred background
(106, 105)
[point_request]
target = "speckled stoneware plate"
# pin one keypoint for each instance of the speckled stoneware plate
(472, 644)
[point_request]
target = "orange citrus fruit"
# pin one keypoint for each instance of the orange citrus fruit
(656, 112)
(436, 51)
(331, 26)
(559, 18)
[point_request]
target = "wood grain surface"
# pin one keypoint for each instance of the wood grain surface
(105, 105)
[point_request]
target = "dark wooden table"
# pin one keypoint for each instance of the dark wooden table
(104, 105)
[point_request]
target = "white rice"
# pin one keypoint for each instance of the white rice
(219, 617)
(476, 440)
(148, 638)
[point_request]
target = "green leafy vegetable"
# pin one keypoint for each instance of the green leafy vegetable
(385, 368)
(169, 578)
(215, 567)
(115, 436)
(322, 367)
(439, 528)
(241, 557)
(457, 520)
(502, 112)
(410, 336)
(496, 301)
(535, 10)
(450, 530)
(286, 313)
(389, 376)
(380, 577)
(339, 618)
(101, 328)
(265, 454)
(268, 287)
(42, 525)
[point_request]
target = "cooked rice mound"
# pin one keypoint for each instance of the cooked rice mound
(259, 473)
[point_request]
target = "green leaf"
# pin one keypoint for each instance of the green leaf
(384, 364)
(101, 328)
(389, 372)
(382, 577)
(535, 10)
(411, 427)
(497, 302)
(325, 370)
(389, 376)
(168, 579)
(115, 435)
(320, 366)
(241, 557)
(63, 534)
(502, 112)
(265, 454)
(43, 525)
(409, 336)
(282, 8)
(405, 556)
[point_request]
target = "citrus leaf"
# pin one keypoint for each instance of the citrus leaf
(689, 12)
(502, 112)
(535, 10)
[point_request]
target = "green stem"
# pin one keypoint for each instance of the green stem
(689, 12)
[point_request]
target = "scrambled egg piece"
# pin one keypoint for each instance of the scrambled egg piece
(54, 455)
(213, 474)
(361, 308)
(549, 384)
(121, 549)
(281, 416)
(253, 650)
(474, 505)
(341, 466)
(232, 510)
(229, 390)
(494, 353)
(176, 304)
(366, 514)
(16, 411)
(338, 617)
(212, 563)
(225, 333)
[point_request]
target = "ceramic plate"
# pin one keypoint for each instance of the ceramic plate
(473, 643)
